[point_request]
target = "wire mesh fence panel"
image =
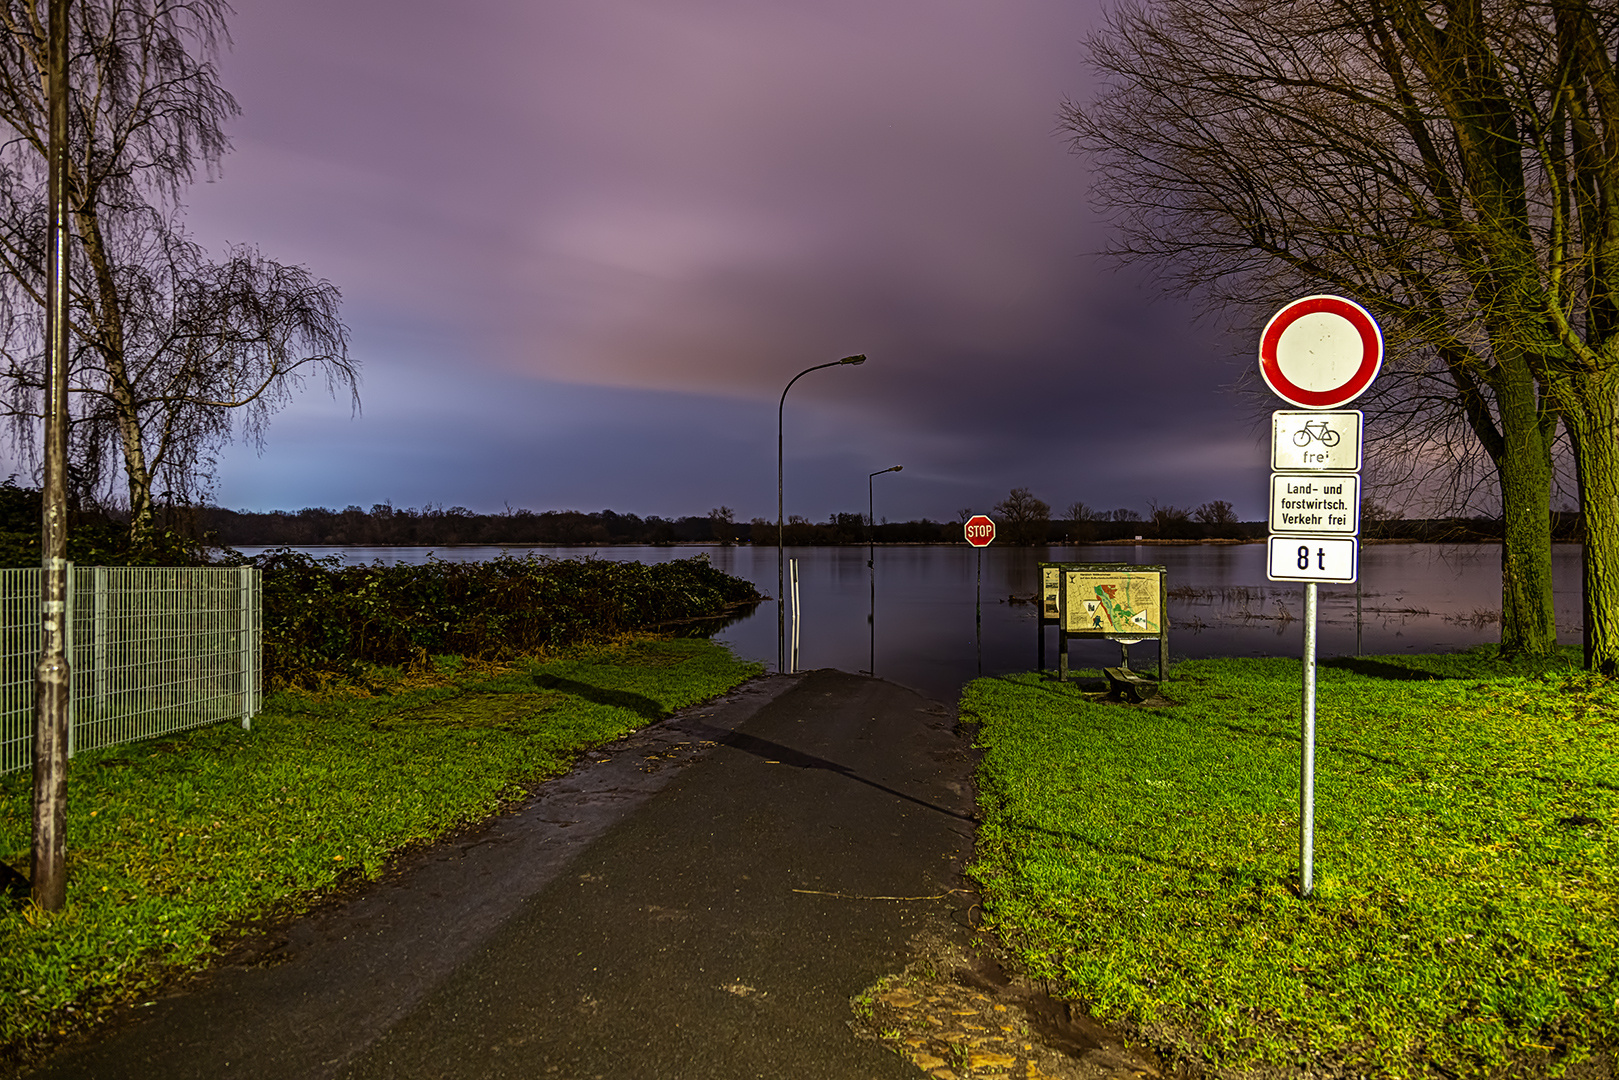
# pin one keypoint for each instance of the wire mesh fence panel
(154, 650)
(19, 653)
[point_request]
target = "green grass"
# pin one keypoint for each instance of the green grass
(1466, 915)
(173, 842)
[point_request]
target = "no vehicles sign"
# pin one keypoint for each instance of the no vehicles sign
(1320, 352)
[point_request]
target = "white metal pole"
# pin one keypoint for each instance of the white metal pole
(1307, 751)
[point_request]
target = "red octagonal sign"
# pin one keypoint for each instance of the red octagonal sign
(1320, 352)
(980, 530)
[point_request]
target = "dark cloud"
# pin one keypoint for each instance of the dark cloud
(584, 245)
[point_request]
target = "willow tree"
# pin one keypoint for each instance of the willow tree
(1451, 164)
(175, 353)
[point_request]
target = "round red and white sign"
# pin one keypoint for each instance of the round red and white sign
(980, 530)
(1320, 352)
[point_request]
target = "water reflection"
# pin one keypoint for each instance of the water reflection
(1414, 598)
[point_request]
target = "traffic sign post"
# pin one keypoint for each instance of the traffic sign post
(980, 533)
(1318, 353)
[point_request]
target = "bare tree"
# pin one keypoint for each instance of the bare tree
(1123, 513)
(1078, 512)
(1168, 521)
(175, 353)
(1078, 516)
(1454, 166)
(722, 519)
(1217, 512)
(1025, 516)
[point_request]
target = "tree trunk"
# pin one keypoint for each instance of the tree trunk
(108, 343)
(1590, 414)
(1528, 619)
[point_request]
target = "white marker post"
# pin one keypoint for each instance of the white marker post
(1319, 353)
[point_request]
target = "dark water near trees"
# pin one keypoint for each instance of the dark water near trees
(1414, 598)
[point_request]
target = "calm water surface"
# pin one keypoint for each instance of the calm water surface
(923, 633)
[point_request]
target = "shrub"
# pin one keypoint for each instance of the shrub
(322, 619)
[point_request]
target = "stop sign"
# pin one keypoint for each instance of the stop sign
(980, 530)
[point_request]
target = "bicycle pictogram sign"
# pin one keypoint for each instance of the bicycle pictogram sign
(1315, 429)
(1315, 441)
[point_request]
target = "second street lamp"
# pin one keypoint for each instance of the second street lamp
(781, 549)
(871, 565)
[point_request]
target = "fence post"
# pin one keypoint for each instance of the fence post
(244, 592)
(98, 657)
(67, 650)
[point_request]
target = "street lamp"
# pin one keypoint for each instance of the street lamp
(781, 548)
(871, 565)
(871, 513)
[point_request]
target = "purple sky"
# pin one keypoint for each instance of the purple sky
(583, 245)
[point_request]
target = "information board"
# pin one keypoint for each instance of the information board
(1121, 602)
(1126, 602)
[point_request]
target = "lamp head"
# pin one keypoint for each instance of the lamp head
(896, 468)
(860, 359)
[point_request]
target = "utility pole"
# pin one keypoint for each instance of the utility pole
(52, 684)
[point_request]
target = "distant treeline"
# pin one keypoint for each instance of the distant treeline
(433, 526)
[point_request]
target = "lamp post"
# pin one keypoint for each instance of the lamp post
(52, 677)
(781, 547)
(871, 565)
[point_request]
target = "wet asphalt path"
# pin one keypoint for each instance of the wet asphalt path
(700, 900)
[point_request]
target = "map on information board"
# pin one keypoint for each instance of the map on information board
(1118, 603)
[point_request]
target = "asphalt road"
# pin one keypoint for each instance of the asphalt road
(701, 900)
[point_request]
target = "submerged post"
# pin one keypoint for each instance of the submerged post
(980, 533)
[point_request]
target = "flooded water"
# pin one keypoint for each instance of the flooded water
(921, 627)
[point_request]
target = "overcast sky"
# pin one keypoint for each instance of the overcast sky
(584, 244)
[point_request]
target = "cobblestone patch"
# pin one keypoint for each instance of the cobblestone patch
(958, 1018)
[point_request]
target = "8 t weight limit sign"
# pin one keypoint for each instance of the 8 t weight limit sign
(1312, 558)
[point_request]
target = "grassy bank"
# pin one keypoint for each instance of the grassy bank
(1467, 862)
(171, 842)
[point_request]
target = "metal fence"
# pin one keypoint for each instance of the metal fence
(153, 650)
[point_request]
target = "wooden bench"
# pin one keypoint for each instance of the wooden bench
(1125, 685)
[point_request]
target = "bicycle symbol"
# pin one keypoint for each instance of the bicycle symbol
(1315, 429)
